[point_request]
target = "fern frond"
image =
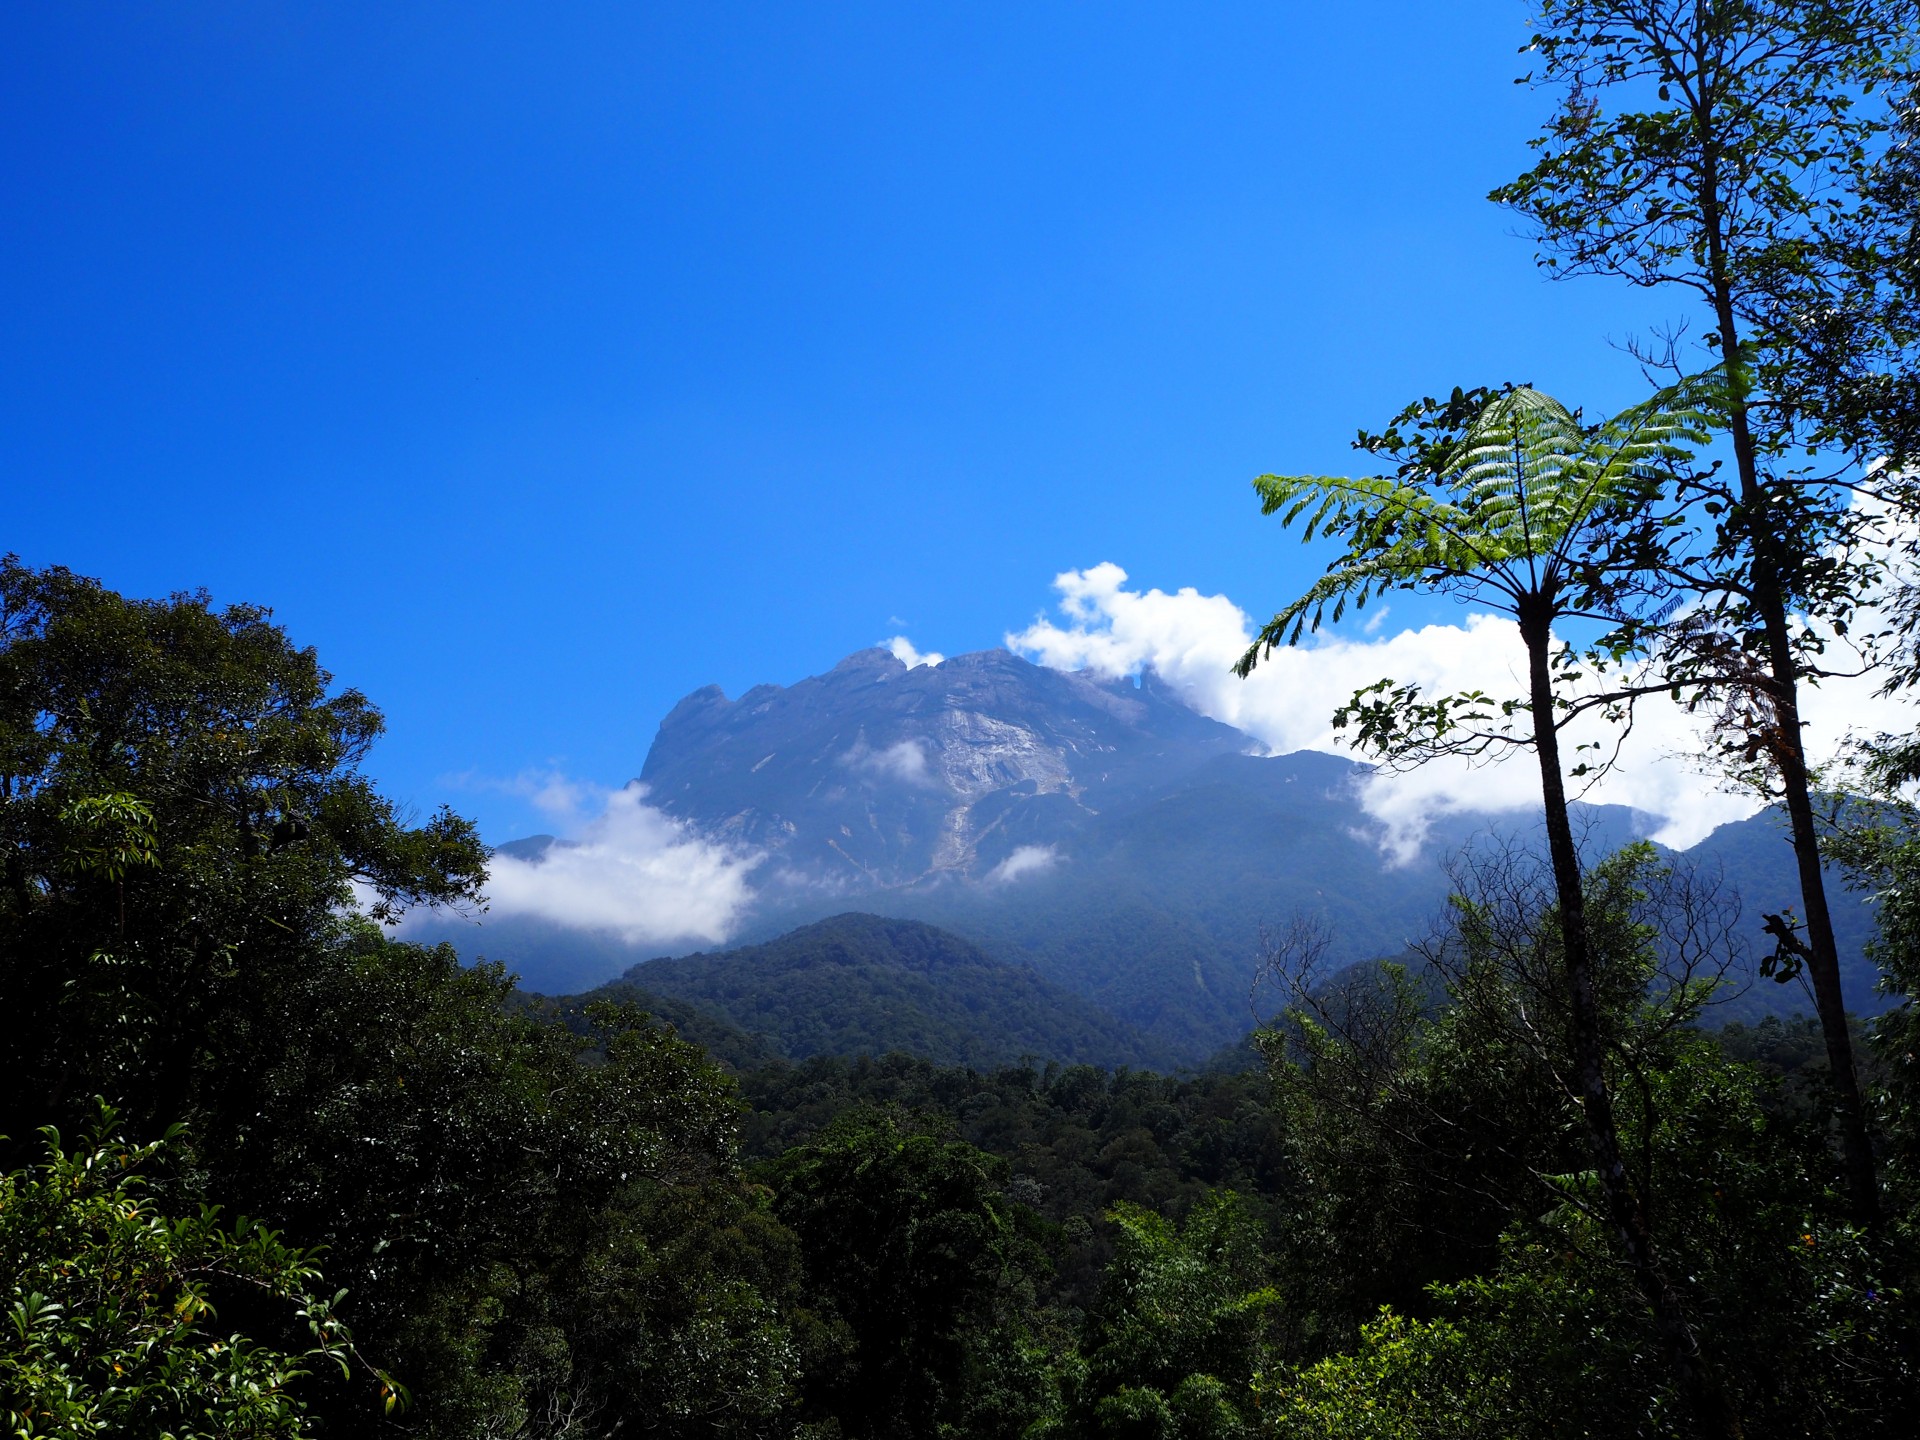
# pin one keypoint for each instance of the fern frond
(1508, 504)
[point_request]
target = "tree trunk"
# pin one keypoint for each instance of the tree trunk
(1625, 1212)
(1822, 953)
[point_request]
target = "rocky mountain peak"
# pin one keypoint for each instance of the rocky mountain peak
(877, 775)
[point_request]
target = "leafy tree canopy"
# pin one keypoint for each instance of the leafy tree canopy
(183, 811)
(112, 1308)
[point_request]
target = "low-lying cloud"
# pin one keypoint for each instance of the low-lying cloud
(630, 870)
(1024, 861)
(1191, 641)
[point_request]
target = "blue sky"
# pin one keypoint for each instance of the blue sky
(539, 364)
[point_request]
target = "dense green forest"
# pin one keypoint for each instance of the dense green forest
(270, 1171)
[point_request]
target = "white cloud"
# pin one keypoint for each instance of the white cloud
(1192, 640)
(631, 870)
(560, 798)
(1024, 861)
(904, 652)
(905, 762)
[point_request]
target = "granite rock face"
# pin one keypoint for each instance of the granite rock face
(875, 775)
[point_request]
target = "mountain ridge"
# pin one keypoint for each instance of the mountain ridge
(1099, 832)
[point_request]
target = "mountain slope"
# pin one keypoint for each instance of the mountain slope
(863, 984)
(1754, 859)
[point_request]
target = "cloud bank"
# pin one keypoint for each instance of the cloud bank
(627, 869)
(1191, 641)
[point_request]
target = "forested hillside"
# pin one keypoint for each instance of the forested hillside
(861, 984)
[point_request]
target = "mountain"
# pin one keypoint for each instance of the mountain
(1753, 859)
(1122, 847)
(875, 775)
(863, 985)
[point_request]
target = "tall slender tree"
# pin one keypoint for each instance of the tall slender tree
(1726, 148)
(1504, 499)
